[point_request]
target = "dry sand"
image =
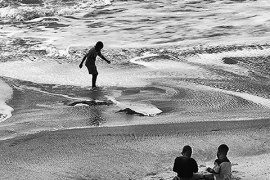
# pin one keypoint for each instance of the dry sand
(135, 152)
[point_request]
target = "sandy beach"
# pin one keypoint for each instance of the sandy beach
(135, 152)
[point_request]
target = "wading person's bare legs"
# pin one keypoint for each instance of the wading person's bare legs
(94, 79)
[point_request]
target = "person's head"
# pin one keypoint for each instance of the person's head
(222, 150)
(187, 151)
(99, 45)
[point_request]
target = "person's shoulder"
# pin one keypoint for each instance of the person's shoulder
(192, 159)
(179, 157)
(223, 160)
(92, 49)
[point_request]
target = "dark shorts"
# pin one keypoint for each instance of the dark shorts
(92, 69)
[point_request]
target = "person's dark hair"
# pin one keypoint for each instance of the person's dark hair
(223, 148)
(99, 45)
(187, 150)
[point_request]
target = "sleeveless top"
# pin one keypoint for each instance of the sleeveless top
(91, 57)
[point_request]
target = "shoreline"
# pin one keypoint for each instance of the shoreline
(158, 129)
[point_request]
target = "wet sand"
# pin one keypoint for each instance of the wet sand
(135, 152)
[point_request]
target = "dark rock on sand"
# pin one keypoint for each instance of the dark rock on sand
(130, 111)
(92, 103)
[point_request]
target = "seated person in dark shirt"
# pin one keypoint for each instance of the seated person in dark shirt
(185, 166)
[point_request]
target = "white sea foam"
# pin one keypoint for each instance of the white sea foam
(71, 74)
(6, 93)
(145, 55)
(215, 59)
(159, 65)
(5, 33)
(141, 108)
(166, 67)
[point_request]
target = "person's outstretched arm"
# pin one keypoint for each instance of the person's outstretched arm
(102, 57)
(81, 65)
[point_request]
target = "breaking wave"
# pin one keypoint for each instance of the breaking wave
(22, 10)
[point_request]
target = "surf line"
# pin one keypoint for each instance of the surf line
(256, 99)
(145, 55)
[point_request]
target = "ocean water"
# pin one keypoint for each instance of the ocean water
(168, 62)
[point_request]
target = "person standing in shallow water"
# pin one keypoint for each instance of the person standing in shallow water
(90, 63)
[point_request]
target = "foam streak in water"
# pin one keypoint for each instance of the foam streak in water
(145, 55)
(140, 108)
